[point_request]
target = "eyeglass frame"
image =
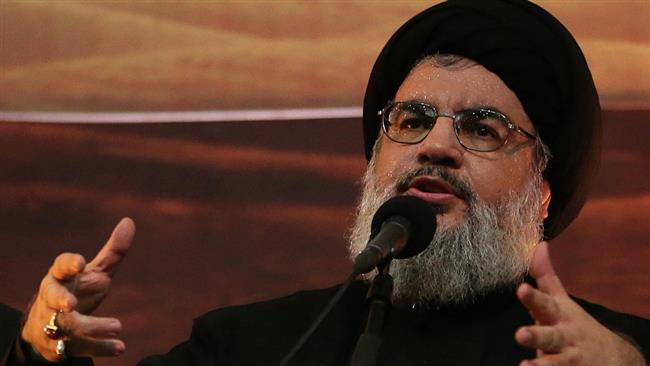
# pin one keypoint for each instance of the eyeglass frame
(502, 118)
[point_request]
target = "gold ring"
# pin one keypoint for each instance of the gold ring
(52, 329)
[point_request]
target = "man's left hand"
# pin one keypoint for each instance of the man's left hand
(564, 333)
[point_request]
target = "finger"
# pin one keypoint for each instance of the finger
(542, 307)
(116, 247)
(570, 356)
(55, 295)
(66, 266)
(76, 325)
(92, 284)
(544, 338)
(91, 347)
(542, 270)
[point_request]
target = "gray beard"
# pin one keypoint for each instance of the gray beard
(489, 250)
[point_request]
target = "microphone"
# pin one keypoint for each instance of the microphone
(401, 228)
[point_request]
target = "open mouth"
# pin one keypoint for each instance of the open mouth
(428, 184)
(431, 185)
(433, 190)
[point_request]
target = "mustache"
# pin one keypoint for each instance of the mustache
(461, 187)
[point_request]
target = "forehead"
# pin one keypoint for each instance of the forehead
(462, 86)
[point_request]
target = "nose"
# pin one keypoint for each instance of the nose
(441, 147)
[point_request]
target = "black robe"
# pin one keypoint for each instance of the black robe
(480, 334)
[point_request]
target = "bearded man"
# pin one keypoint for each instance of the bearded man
(486, 111)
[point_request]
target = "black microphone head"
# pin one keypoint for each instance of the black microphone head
(418, 213)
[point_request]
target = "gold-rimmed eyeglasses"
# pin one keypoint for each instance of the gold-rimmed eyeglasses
(479, 129)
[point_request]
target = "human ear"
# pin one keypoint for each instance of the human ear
(546, 199)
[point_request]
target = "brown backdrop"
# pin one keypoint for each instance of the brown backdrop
(230, 213)
(186, 55)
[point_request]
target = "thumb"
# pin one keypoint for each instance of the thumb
(116, 247)
(543, 272)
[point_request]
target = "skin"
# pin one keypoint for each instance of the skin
(563, 333)
(78, 288)
(492, 173)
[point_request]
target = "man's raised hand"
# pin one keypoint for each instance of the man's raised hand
(78, 288)
(564, 333)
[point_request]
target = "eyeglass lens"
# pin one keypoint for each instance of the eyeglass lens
(476, 129)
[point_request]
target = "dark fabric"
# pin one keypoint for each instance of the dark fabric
(536, 58)
(10, 326)
(262, 333)
(10, 320)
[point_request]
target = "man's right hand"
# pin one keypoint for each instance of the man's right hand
(77, 288)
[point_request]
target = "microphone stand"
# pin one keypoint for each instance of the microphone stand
(379, 297)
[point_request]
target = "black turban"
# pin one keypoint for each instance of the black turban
(535, 56)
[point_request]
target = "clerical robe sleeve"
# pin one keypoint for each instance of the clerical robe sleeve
(11, 324)
(199, 350)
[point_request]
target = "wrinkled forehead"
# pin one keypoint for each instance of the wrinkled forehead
(460, 85)
(534, 54)
(529, 49)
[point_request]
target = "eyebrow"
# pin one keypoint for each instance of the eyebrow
(490, 107)
(480, 106)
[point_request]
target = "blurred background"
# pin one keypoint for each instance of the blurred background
(244, 178)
